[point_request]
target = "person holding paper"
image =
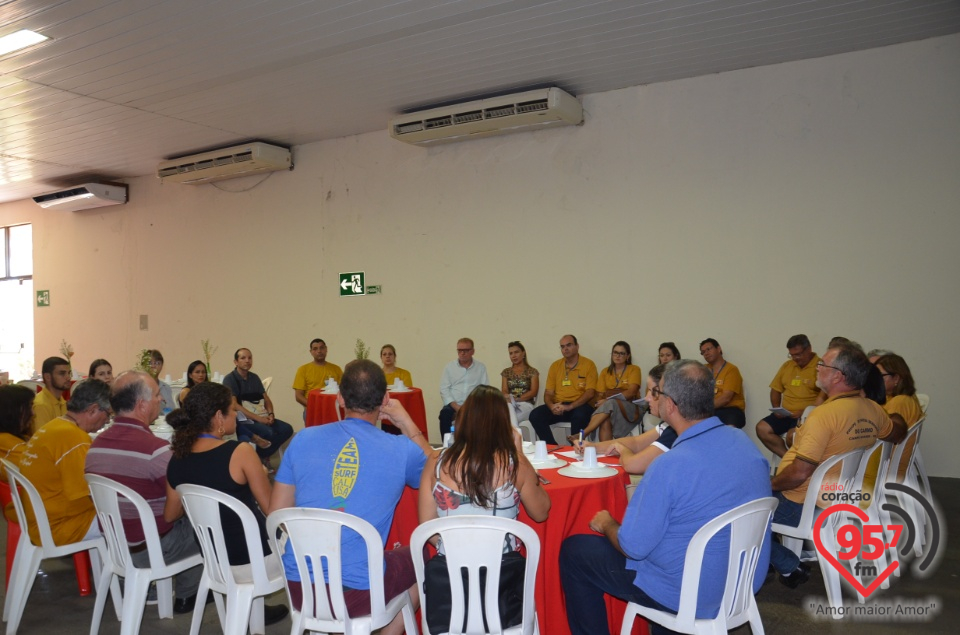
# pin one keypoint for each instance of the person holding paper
(793, 388)
(728, 401)
(615, 414)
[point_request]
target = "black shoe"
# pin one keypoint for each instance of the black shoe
(274, 614)
(800, 575)
(771, 574)
(185, 605)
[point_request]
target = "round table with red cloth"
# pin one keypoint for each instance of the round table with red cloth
(322, 408)
(573, 504)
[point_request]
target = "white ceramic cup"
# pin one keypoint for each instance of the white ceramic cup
(590, 458)
(398, 384)
(540, 453)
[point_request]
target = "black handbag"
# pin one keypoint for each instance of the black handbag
(436, 588)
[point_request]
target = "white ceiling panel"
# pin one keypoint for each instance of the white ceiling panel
(127, 83)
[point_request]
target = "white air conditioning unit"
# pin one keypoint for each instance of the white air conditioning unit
(530, 110)
(86, 196)
(225, 163)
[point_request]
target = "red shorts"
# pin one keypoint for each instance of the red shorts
(397, 579)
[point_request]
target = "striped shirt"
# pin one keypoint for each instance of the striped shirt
(128, 453)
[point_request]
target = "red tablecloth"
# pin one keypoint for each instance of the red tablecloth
(322, 408)
(574, 502)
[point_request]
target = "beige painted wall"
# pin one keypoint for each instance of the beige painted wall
(818, 196)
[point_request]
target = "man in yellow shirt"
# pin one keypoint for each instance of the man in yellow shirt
(316, 373)
(793, 388)
(844, 422)
(54, 460)
(49, 403)
(571, 386)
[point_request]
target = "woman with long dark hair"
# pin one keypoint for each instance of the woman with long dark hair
(618, 385)
(196, 374)
(484, 471)
(521, 380)
(101, 369)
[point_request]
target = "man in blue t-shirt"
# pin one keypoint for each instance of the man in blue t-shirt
(711, 469)
(352, 466)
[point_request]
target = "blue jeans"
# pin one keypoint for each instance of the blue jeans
(786, 513)
(541, 418)
(589, 567)
(277, 434)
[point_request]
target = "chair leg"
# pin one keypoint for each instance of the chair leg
(628, 618)
(257, 626)
(409, 619)
(81, 562)
(13, 537)
(165, 598)
(238, 611)
(24, 573)
(135, 589)
(103, 585)
(201, 604)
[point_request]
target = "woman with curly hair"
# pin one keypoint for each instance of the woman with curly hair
(202, 457)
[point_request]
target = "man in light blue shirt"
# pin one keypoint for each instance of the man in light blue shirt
(459, 378)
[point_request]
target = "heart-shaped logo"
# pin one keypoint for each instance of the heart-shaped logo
(832, 557)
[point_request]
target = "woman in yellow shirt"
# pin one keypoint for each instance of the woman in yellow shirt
(901, 398)
(16, 419)
(388, 358)
(618, 385)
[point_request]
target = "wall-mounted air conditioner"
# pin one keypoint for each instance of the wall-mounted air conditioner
(86, 196)
(530, 110)
(225, 163)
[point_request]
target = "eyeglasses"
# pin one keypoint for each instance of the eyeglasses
(464, 350)
(656, 393)
(887, 374)
(820, 364)
(621, 353)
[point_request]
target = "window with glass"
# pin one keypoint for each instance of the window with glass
(16, 252)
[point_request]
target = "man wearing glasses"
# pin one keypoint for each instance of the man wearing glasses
(53, 461)
(571, 386)
(844, 422)
(793, 388)
(459, 378)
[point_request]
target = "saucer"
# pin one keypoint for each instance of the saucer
(601, 471)
(548, 463)
(529, 447)
(391, 389)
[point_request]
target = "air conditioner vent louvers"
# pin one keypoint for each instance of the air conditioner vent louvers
(467, 117)
(501, 111)
(77, 191)
(438, 122)
(530, 110)
(226, 163)
(532, 106)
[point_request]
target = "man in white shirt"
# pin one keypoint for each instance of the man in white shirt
(459, 378)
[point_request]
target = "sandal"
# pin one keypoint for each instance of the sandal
(261, 443)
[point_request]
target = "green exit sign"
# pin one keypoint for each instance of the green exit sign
(351, 284)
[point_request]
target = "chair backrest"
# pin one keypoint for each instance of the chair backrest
(904, 453)
(748, 524)
(315, 537)
(924, 401)
(18, 480)
(202, 505)
(884, 449)
(266, 384)
(849, 466)
(36, 386)
(474, 543)
(109, 497)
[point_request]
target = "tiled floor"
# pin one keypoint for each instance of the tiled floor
(55, 606)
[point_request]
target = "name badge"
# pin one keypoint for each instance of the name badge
(796, 382)
(566, 382)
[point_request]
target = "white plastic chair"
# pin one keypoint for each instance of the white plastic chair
(748, 524)
(107, 495)
(560, 432)
(875, 515)
(793, 537)
(28, 558)
(906, 454)
(266, 384)
(243, 595)
(472, 543)
(315, 536)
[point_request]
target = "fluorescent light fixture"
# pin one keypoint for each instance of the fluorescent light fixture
(20, 39)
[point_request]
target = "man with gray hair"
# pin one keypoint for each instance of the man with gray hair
(129, 454)
(828, 431)
(711, 469)
(53, 462)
